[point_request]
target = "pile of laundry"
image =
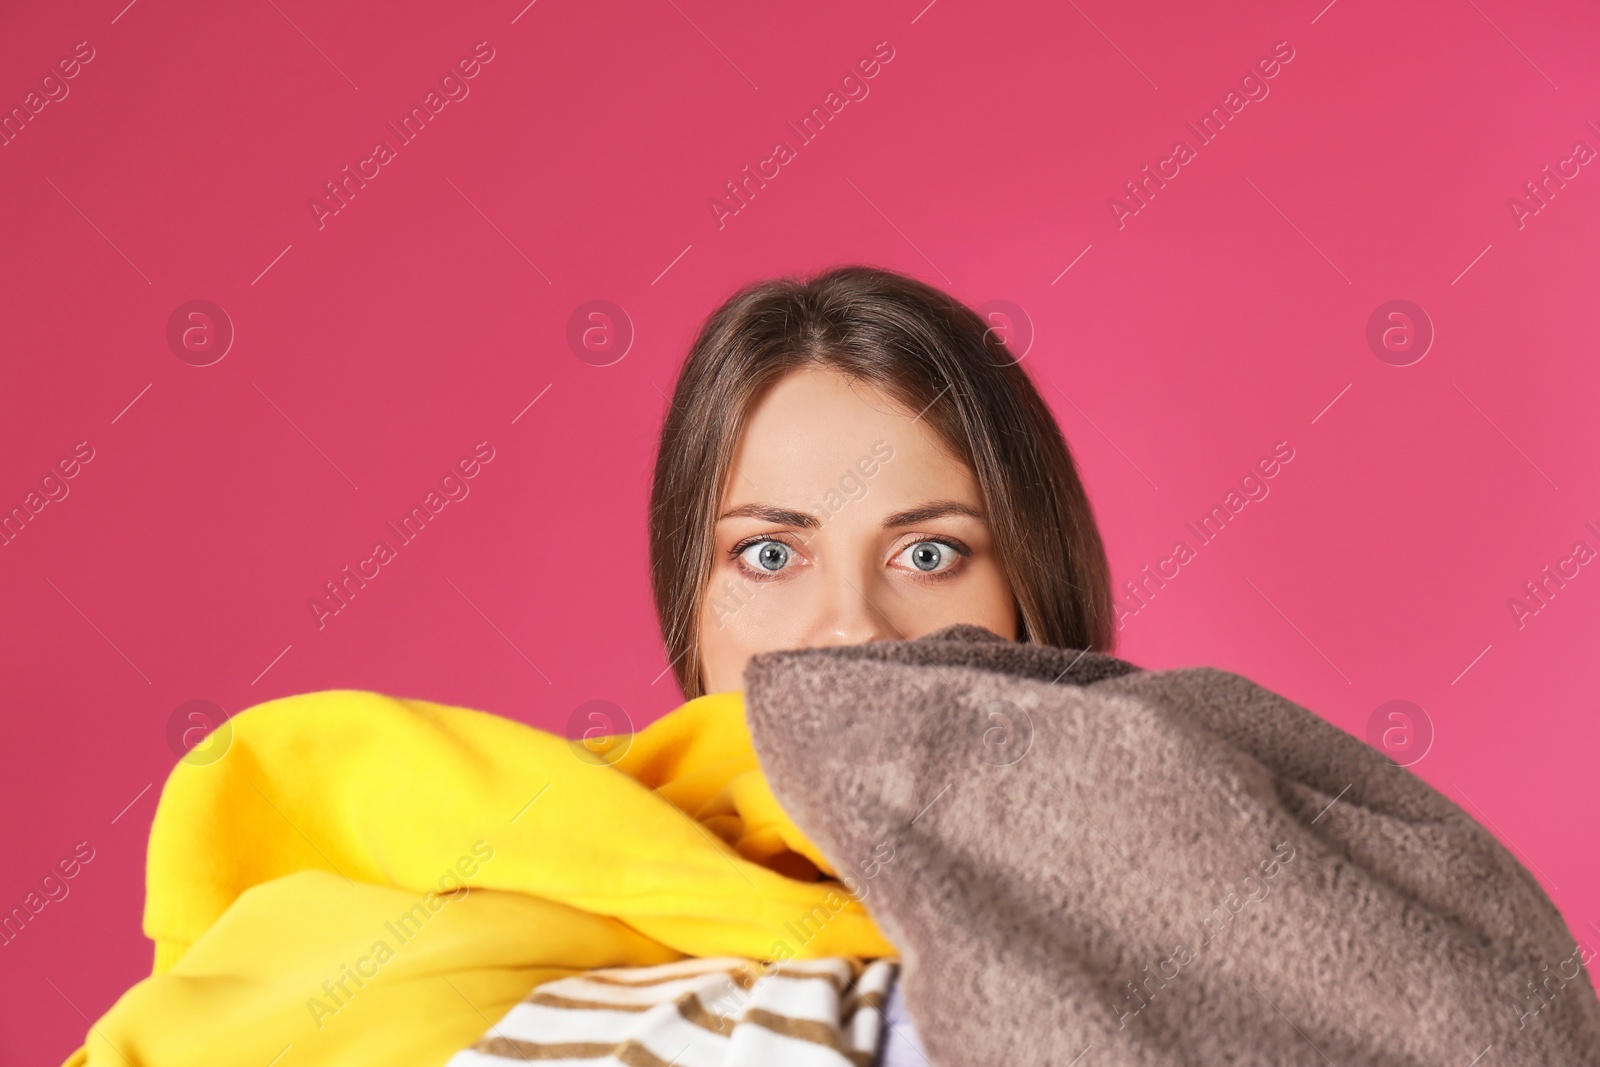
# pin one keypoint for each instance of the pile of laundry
(1045, 852)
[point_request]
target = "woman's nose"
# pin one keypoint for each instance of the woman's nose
(851, 616)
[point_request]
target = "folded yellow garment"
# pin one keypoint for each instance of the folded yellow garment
(363, 879)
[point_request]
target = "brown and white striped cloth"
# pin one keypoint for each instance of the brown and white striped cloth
(721, 1012)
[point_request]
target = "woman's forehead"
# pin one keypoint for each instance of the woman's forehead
(815, 430)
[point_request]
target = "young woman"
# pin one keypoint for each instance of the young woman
(855, 458)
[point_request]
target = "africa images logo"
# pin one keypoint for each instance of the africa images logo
(453, 88)
(1252, 87)
(852, 87)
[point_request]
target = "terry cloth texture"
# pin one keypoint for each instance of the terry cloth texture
(724, 1012)
(1078, 857)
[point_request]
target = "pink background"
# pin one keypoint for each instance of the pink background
(371, 354)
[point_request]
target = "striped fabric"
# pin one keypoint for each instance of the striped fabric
(723, 1012)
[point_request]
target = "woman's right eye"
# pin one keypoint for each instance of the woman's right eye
(766, 556)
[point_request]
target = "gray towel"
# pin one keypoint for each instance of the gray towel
(1087, 863)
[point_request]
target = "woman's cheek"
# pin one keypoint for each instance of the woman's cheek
(755, 614)
(735, 624)
(980, 597)
(721, 657)
(996, 603)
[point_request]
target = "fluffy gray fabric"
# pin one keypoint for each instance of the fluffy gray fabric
(1079, 858)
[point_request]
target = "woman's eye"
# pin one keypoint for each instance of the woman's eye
(930, 557)
(766, 555)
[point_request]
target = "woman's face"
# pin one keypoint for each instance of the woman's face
(845, 520)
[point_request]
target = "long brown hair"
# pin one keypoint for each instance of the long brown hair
(932, 354)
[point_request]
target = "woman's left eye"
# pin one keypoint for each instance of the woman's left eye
(930, 557)
(766, 556)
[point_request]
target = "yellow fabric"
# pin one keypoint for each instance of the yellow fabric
(302, 890)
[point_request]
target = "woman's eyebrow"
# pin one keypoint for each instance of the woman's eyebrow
(927, 512)
(773, 514)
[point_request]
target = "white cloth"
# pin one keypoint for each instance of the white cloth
(723, 1012)
(901, 1045)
